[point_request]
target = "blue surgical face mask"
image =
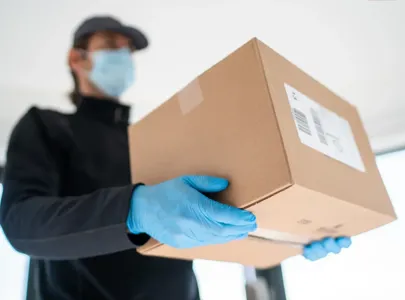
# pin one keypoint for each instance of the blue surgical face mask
(113, 71)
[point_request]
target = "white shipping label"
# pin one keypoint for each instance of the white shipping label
(323, 130)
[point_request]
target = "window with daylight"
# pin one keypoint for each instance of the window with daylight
(13, 269)
(216, 280)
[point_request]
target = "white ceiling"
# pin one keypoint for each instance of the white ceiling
(356, 48)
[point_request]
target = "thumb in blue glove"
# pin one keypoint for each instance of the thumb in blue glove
(177, 213)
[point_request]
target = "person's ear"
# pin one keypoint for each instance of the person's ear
(76, 59)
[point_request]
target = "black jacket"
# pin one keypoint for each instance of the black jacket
(67, 189)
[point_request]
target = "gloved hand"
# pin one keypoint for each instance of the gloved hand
(176, 213)
(320, 249)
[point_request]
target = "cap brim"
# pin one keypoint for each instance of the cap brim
(138, 39)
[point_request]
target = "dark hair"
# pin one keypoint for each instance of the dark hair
(74, 95)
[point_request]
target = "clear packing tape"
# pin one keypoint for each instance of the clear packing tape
(189, 98)
(279, 237)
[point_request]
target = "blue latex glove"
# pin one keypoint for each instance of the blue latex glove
(320, 249)
(176, 213)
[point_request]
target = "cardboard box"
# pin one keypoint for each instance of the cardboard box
(295, 153)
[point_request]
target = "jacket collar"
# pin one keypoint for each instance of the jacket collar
(104, 109)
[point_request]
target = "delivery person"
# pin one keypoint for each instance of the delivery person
(69, 203)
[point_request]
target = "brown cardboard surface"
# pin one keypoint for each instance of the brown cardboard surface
(326, 175)
(235, 121)
(255, 252)
(308, 213)
(218, 137)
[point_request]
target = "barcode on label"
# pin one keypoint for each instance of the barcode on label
(319, 128)
(302, 121)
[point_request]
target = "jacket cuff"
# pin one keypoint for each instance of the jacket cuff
(141, 238)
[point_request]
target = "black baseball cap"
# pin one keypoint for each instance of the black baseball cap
(106, 23)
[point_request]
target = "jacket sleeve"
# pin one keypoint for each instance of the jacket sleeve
(39, 223)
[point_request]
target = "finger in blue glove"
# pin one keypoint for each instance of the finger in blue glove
(177, 213)
(320, 249)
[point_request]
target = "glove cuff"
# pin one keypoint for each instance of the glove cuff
(132, 225)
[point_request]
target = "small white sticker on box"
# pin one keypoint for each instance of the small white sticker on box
(323, 130)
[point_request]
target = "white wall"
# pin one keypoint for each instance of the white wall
(356, 48)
